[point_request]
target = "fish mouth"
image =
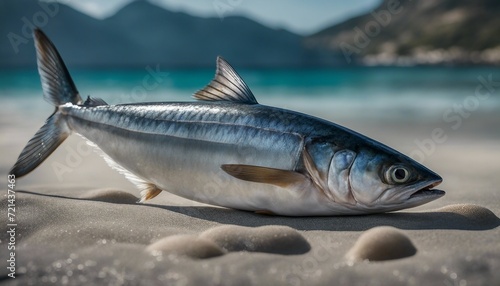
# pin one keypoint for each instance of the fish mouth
(412, 196)
(427, 192)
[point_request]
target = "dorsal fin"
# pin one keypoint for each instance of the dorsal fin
(227, 85)
(94, 101)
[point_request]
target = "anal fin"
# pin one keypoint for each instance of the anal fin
(149, 192)
(148, 189)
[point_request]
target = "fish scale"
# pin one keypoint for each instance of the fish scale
(183, 121)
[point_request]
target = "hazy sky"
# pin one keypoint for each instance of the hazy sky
(299, 16)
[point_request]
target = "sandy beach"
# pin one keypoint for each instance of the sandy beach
(422, 77)
(78, 221)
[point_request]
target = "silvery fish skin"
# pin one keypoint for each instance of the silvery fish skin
(230, 151)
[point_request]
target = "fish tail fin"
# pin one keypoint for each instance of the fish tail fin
(57, 84)
(58, 89)
(45, 141)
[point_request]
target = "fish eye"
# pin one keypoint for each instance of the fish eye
(398, 174)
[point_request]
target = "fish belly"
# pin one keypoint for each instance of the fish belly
(191, 168)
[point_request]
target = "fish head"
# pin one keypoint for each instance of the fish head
(380, 179)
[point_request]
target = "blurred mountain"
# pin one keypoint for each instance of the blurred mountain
(401, 32)
(79, 38)
(144, 34)
(418, 32)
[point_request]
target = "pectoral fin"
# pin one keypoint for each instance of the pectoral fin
(278, 177)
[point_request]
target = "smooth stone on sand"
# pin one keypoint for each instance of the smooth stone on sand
(269, 239)
(478, 214)
(381, 243)
(110, 196)
(186, 245)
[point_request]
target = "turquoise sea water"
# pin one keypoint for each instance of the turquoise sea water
(352, 91)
